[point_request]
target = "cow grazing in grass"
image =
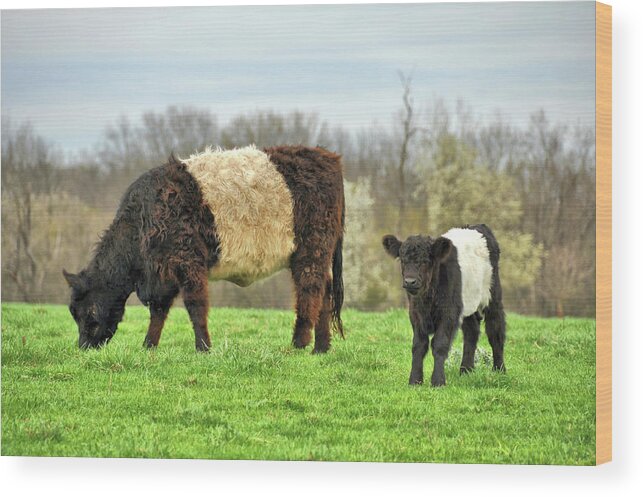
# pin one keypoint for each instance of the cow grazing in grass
(236, 215)
(450, 282)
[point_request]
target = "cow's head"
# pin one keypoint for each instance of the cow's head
(97, 310)
(419, 257)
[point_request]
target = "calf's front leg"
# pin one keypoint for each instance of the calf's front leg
(440, 346)
(419, 350)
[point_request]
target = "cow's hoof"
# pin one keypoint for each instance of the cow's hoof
(301, 343)
(415, 381)
(465, 370)
(321, 348)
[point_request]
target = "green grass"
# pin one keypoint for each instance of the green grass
(254, 397)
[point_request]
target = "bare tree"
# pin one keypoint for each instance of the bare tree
(555, 174)
(269, 128)
(27, 170)
(409, 129)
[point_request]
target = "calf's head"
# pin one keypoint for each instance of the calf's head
(97, 310)
(419, 257)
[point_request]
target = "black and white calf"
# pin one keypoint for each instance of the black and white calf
(450, 282)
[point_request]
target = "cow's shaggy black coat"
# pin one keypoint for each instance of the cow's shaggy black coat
(433, 281)
(163, 240)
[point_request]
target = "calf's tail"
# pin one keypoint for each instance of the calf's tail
(337, 288)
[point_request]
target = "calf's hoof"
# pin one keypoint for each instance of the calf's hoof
(466, 369)
(415, 380)
(500, 369)
(202, 346)
(149, 345)
(438, 381)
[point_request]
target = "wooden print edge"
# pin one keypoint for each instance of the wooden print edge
(603, 233)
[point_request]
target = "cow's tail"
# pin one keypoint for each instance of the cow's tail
(337, 285)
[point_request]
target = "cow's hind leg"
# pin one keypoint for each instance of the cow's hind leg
(470, 332)
(494, 317)
(195, 298)
(309, 303)
(310, 278)
(322, 328)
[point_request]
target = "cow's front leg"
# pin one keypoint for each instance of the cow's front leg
(158, 313)
(195, 298)
(159, 308)
(419, 350)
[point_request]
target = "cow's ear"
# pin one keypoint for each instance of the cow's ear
(391, 245)
(75, 281)
(442, 248)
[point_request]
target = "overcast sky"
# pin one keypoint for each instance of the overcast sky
(73, 72)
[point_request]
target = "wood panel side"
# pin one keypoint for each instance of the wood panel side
(603, 233)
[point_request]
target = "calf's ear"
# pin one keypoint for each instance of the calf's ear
(442, 248)
(391, 245)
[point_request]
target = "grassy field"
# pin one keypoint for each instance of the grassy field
(254, 397)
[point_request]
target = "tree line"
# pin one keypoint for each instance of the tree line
(430, 169)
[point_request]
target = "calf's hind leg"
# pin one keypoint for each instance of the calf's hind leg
(494, 318)
(470, 332)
